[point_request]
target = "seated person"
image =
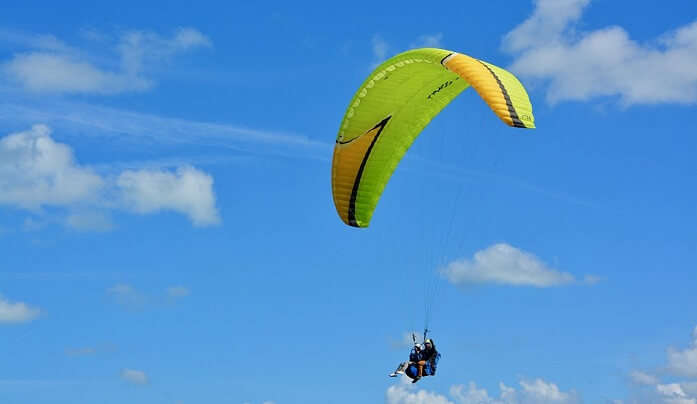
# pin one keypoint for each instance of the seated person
(422, 362)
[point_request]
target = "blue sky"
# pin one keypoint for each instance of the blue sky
(167, 232)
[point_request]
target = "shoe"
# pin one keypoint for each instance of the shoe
(416, 379)
(393, 374)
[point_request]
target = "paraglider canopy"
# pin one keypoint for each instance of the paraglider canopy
(391, 108)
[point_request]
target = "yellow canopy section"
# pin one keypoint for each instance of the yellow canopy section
(393, 106)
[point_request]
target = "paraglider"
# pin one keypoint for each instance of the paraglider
(391, 108)
(423, 361)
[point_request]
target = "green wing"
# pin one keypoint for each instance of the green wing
(394, 105)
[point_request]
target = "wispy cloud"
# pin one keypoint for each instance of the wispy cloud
(126, 295)
(47, 65)
(90, 350)
(406, 340)
(32, 224)
(89, 221)
(43, 72)
(83, 351)
(139, 48)
(579, 65)
(51, 276)
(134, 376)
(428, 41)
(380, 49)
(178, 291)
(458, 174)
(129, 297)
(128, 126)
(506, 265)
(16, 312)
(643, 378)
(37, 171)
(37, 382)
(14, 39)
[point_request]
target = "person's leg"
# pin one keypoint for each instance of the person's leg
(412, 371)
(400, 369)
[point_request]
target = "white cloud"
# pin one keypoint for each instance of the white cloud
(91, 350)
(472, 394)
(605, 62)
(187, 38)
(134, 376)
(428, 41)
(50, 66)
(406, 339)
(188, 191)
(45, 72)
(31, 224)
(135, 299)
(138, 48)
(647, 389)
(127, 295)
(84, 351)
(403, 394)
(89, 221)
(34, 41)
(36, 171)
(17, 312)
(591, 279)
(541, 391)
(380, 48)
(101, 121)
(178, 291)
(507, 265)
(684, 362)
(550, 19)
(531, 392)
(690, 388)
(121, 289)
(681, 364)
(643, 378)
(673, 394)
